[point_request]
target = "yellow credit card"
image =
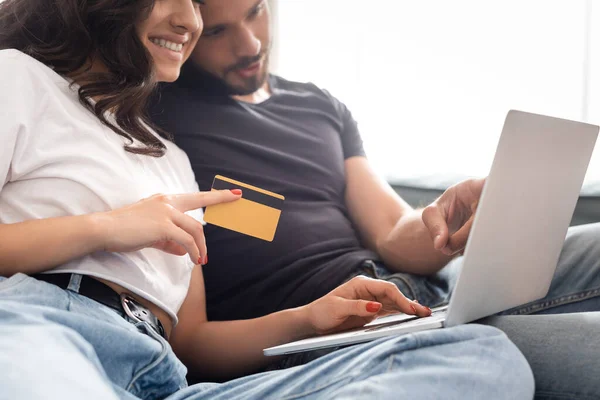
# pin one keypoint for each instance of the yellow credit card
(255, 214)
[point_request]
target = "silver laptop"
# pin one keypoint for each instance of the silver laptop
(517, 234)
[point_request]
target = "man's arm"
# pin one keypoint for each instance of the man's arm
(221, 350)
(387, 224)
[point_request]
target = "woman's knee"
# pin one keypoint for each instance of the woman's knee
(467, 361)
(485, 356)
(498, 359)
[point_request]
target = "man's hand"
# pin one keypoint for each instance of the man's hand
(449, 218)
(358, 302)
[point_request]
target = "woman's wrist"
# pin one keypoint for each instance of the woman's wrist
(100, 228)
(301, 322)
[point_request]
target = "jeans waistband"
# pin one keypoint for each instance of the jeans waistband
(103, 294)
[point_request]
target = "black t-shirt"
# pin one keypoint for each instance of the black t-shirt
(294, 144)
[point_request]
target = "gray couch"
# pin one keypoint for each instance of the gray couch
(420, 191)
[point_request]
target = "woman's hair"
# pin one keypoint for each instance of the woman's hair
(67, 34)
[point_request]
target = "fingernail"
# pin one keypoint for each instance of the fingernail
(429, 309)
(200, 260)
(436, 241)
(373, 307)
(413, 308)
(206, 259)
(237, 192)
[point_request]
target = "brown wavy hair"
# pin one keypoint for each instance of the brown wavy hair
(67, 35)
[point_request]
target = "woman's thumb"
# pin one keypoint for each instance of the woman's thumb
(361, 308)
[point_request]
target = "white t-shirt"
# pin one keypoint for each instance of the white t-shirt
(58, 159)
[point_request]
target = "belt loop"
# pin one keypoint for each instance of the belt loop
(74, 283)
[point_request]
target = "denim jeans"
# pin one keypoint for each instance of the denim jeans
(558, 334)
(57, 344)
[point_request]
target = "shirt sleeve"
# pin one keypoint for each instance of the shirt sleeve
(352, 142)
(17, 96)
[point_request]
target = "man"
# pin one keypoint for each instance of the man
(339, 219)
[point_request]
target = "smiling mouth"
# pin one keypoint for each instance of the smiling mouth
(176, 47)
(252, 66)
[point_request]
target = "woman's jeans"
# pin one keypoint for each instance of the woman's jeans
(57, 344)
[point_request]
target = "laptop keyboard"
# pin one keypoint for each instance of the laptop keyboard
(437, 313)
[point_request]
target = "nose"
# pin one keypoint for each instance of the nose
(246, 43)
(185, 17)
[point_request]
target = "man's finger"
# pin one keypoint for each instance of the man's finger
(458, 240)
(193, 201)
(435, 222)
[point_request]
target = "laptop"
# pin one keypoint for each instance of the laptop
(517, 233)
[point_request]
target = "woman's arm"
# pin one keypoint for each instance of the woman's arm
(38, 245)
(221, 350)
(226, 349)
(158, 221)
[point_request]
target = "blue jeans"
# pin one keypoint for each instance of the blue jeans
(558, 334)
(57, 344)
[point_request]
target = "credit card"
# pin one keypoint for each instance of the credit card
(255, 214)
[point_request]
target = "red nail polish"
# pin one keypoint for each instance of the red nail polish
(236, 191)
(413, 308)
(429, 309)
(200, 260)
(373, 307)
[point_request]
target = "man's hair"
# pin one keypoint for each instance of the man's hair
(66, 35)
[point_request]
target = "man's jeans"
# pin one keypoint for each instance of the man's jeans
(57, 344)
(559, 334)
(574, 288)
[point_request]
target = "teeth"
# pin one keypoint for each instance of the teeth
(168, 45)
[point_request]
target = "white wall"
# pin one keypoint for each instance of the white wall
(430, 82)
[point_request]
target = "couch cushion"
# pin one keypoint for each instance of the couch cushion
(422, 190)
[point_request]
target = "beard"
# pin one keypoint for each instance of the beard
(224, 86)
(250, 84)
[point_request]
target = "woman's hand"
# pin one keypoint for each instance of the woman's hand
(358, 302)
(160, 222)
(449, 218)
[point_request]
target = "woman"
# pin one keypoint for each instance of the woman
(101, 242)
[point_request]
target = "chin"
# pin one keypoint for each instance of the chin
(167, 76)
